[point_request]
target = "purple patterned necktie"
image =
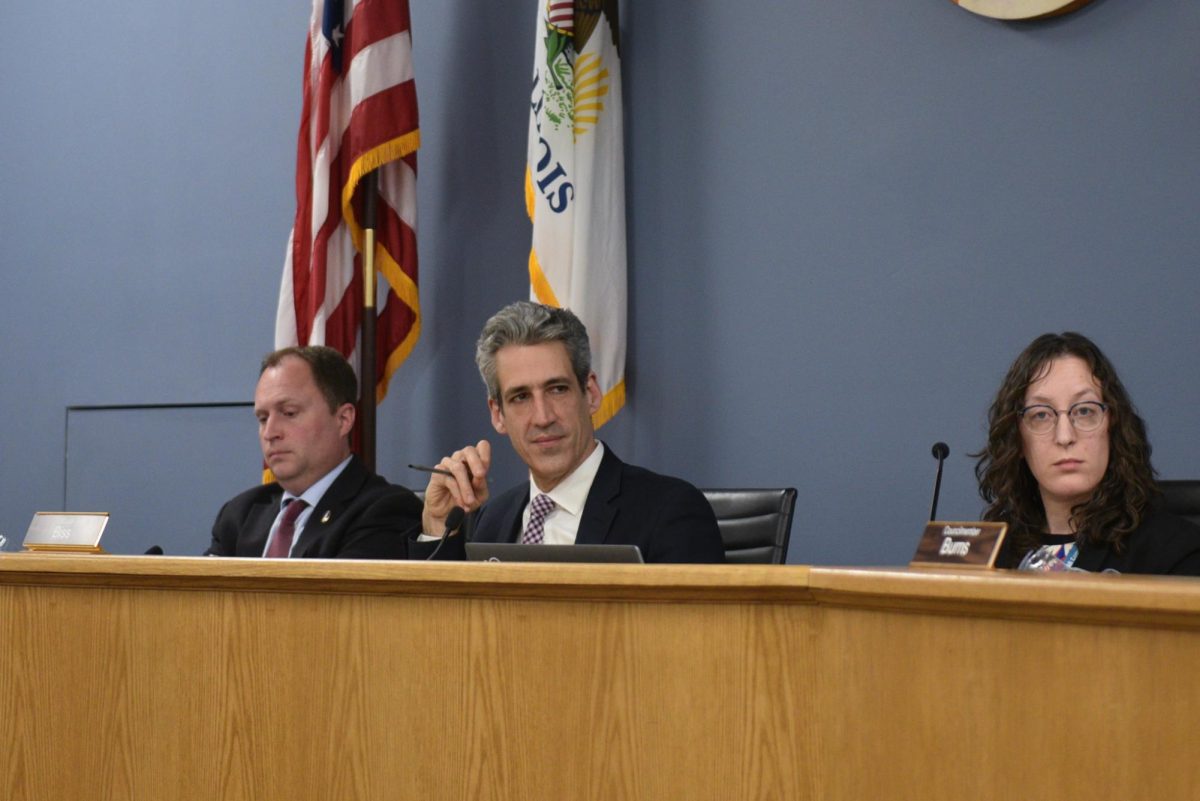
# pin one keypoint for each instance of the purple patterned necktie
(281, 546)
(535, 532)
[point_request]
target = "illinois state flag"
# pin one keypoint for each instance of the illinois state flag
(575, 180)
(359, 115)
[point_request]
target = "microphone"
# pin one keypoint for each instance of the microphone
(453, 521)
(940, 451)
(154, 550)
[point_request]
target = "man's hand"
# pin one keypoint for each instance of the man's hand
(467, 487)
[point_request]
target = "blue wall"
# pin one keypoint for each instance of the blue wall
(845, 220)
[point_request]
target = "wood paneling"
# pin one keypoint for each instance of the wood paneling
(160, 678)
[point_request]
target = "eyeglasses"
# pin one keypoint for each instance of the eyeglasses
(1084, 416)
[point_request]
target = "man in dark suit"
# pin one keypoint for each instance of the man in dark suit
(536, 363)
(324, 503)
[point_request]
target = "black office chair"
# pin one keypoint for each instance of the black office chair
(755, 524)
(1182, 498)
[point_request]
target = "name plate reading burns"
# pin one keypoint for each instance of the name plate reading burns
(74, 532)
(949, 544)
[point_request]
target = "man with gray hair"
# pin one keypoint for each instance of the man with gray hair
(536, 363)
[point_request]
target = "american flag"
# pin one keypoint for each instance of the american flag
(359, 114)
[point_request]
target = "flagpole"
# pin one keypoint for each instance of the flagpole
(367, 377)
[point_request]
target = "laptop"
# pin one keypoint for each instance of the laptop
(517, 552)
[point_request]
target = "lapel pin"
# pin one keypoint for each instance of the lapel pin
(325, 517)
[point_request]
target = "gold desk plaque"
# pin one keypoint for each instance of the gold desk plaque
(1020, 9)
(960, 545)
(66, 532)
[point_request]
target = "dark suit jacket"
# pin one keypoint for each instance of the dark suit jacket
(361, 516)
(1163, 544)
(667, 518)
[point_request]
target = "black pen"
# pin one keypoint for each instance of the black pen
(424, 468)
(427, 469)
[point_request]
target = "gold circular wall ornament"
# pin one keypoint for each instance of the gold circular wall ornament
(1020, 9)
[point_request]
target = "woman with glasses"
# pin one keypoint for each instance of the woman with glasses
(1067, 466)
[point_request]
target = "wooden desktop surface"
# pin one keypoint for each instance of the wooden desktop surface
(178, 678)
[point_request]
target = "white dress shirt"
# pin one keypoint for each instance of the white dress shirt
(562, 523)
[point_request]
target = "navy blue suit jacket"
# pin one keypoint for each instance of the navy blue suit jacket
(360, 516)
(667, 518)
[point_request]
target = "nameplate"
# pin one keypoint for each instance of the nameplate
(969, 545)
(75, 532)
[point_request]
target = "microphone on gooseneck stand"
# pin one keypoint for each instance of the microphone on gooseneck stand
(453, 521)
(940, 451)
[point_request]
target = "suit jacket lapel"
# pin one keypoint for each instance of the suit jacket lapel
(510, 520)
(328, 511)
(258, 525)
(599, 510)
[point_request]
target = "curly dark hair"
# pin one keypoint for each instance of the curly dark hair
(1010, 490)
